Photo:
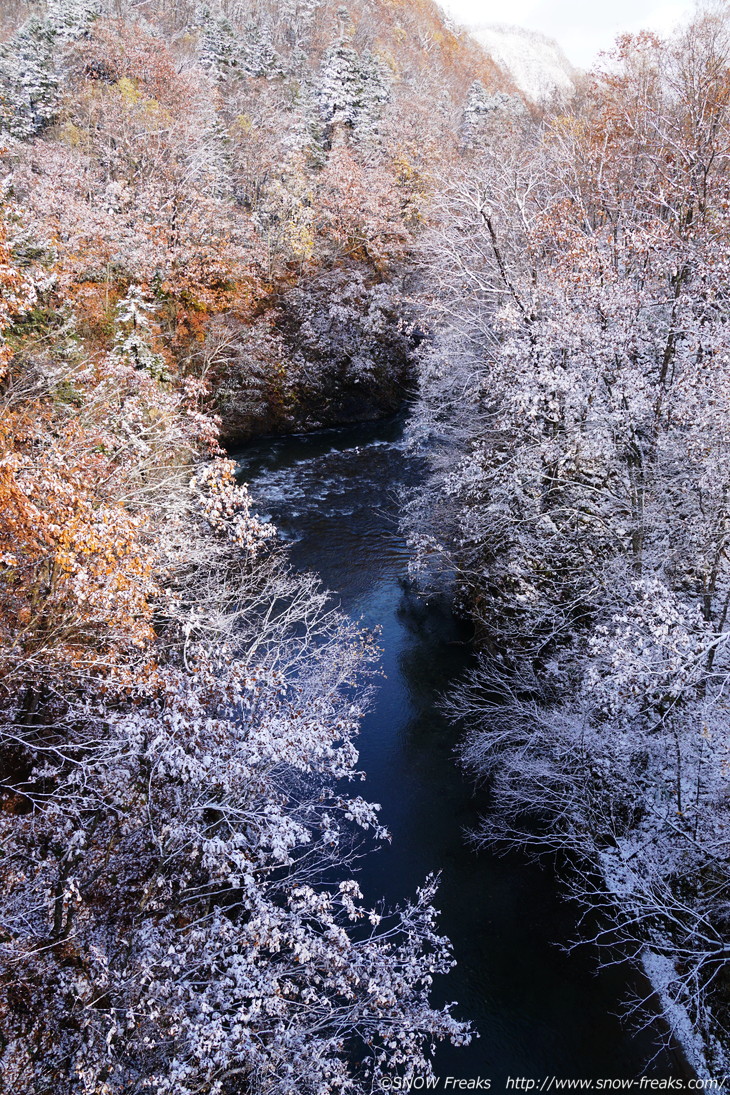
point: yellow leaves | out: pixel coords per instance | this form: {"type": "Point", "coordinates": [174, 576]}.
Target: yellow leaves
{"type": "Point", "coordinates": [141, 105]}
{"type": "Point", "coordinates": [404, 170]}
{"type": "Point", "coordinates": [389, 60]}
{"type": "Point", "coordinates": [570, 125]}
{"type": "Point", "coordinates": [83, 589]}
{"type": "Point", "coordinates": [241, 126]}
{"type": "Point", "coordinates": [66, 561]}
{"type": "Point", "coordinates": [72, 135]}
{"type": "Point", "coordinates": [300, 239]}
{"type": "Point", "coordinates": [128, 90]}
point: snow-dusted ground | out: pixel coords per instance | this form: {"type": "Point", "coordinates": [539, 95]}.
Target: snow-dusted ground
{"type": "Point", "coordinates": [535, 62]}
{"type": "Point", "coordinates": [661, 973]}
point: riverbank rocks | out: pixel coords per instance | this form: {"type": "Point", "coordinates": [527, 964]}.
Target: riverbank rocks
{"type": "Point", "coordinates": [336, 348]}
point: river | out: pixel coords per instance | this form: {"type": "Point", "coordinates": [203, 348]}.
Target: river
{"type": "Point", "coordinates": [539, 1011]}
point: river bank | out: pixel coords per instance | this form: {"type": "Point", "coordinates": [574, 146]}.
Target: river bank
{"type": "Point", "coordinates": [334, 495]}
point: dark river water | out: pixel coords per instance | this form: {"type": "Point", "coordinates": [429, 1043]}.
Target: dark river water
{"type": "Point", "coordinates": [539, 1011]}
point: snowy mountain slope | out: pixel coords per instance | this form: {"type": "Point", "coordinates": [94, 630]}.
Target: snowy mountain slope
{"type": "Point", "coordinates": [535, 62]}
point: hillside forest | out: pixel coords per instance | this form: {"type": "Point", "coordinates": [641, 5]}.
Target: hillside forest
{"type": "Point", "coordinates": [234, 219]}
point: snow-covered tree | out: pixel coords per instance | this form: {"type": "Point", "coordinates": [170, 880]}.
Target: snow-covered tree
{"type": "Point", "coordinates": [575, 407]}
{"type": "Point", "coordinates": [489, 115]}
{"type": "Point", "coordinates": [30, 69]}
{"type": "Point", "coordinates": [352, 89]}
{"type": "Point", "coordinates": [180, 821]}
{"type": "Point", "coordinates": [220, 47]}
{"type": "Point", "coordinates": [179, 906]}
{"type": "Point", "coordinates": [226, 50]}
{"type": "Point", "coordinates": [259, 56]}
{"type": "Point", "coordinates": [28, 79]}
{"type": "Point", "coordinates": [134, 333]}
{"type": "Point", "coordinates": [72, 19]}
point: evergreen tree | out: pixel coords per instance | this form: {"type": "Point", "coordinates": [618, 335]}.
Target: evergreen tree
{"type": "Point", "coordinates": [220, 46]}
{"type": "Point", "coordinates": [483, 112]}
{"type": "Point", "coordinates": [71, 19]}
{"type": "Point", "coordinates": [298, 21]}
{"type": "Point", "coordinates": [259, 56]}
{"type": "Point", "coordinates": [307, 134]}
{"type": "Point", "coordinates": [29, 77]}
{"type": "Point", "coordinates": [352, 90]}
{"type": "Point", "coordinates": [28, 80]}
{"type": "Point", "coordinates": [224, 51]}
{"type": "Point", "coordinates": [375, 84]}
{"type": "Point", "coordinates": [134, 334]}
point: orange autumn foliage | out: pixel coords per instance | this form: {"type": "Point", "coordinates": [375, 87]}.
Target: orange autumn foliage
{"type": "Point", "coordinates": [76, 577]}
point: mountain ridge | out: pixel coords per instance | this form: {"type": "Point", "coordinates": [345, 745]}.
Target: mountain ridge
{"type": "Point", "coordinates": [534, 61]}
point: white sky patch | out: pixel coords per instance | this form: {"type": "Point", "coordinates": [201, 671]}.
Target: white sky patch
{"type": "Point", "coordinates": [582, 27]}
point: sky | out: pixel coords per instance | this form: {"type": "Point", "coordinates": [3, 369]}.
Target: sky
{"type": "Point", "coordinates": [582, 27]}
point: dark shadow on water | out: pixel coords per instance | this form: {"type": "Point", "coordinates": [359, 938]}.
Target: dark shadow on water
{"type": "Point", "coordinates": [539, 1010]}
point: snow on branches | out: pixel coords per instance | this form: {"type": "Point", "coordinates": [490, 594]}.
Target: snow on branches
{"type": "Point", "coordinates": [179, 719]}
{"type": "Point", "coordinates": [226, 507]}
{"type": "Point", "coordinates": [575, 407]}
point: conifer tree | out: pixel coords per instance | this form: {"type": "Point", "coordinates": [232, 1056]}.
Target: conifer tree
{"type": "Point", "coordinates": [71, 19]}
{"type": "Point", "coordinates": [28, 81]}
{"type": "Point", "coordinates": [134, 333]}
{"type": "Point", "coordinates": [485, 112]}
{"type": "Point", "coordinates": [29, 76]}
{"type": "Point", "coordinates": [352, 90]}
{"type": "Point", "coordinates": [219, 49]}
{"type": "Point", "coordinates": [259, 56]}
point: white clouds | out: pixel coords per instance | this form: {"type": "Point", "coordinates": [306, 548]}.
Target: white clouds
{"type": "Point", "coordinates": [582, 29]}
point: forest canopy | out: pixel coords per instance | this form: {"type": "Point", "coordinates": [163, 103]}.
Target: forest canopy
{"type": "Point", "coordinates": [574, 409]}
{"type": "Point", "coordinates": [224, 220]}
{"type": "Point", "coordinates": [207, 217]}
